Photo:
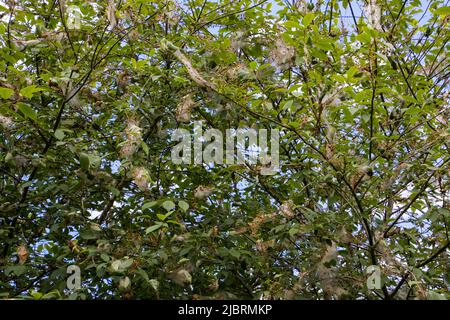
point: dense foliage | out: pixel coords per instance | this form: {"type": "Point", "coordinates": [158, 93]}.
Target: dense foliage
{"type": "Point", "coordinates": [358, 90]}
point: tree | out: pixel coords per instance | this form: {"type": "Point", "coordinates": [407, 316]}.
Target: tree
{"type": "Point", "coordinates": [90, 93]}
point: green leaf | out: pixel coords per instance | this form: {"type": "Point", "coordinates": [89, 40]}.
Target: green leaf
{"type": "Point", "coordinates": [84, 161]}
{"type": "Point", "coordinates": [433, 295]}
{"type": "Point", "coordinates": [28, 92]}
{"type": "Point", "coordinates": [338, 78]}
{"type": "Point", "coordinates": [88, 234]}
{"type": "Point", "coordinates": [153, 228]}
{"type": "Point", "coordinates": [9, 157]}
{"type": "Point", "coordinates": [104, 257]}
{"type": "Point", "coordinates": [168, 205]}
{"type": "Point", "coordinates": [445, 212]}
{"type": "Point", "coordinates": [293, 231]}
{"type": "Point", "coordinates": [163, 217]}
{"type": "Point", "coordinates": [223, 251]}
{"type": "Point", "coordinates": [324, 44]}
{"type": "Point", "coordinates": [234, 253]}
{"type": "Point", "coordinates": [52, 295]}
{"type": "Point", "coordinates": [125, 264]}
{"type": "Point", "coordinates": [353, 110]}
{"type": "Point", "coordinates": [143, 274]}
{"type": "Point", "coordinates": [351, 72]}
{"type": "Point", "coordinates": [364, 37]}
{"type": "Point", "coordinates": [6, 93]}
{"type": "Point", "coordinates": [307, 19]}
{"type": "Point", "coordinates": [36, 295]}
{"type": "Point", "coordinates": [288, 104]}
{"type": "Point", "coordinates": [144, 147]}
{"type": "Point", "coordinates": [253, 65]}
{"type": "Point", "coordinates": [154, 283]}
{"type": "Point", "coordinates": [149, 205]}
{"type": "Point", "coordinates": [17, 270]}
{"type": "Point", "coordinates": [114, 191]}
{"type": "Point", "coordinates": [443, 11]}
{"type": "Point", "coordinates": [27, 111]}
{"type": "Point", "coordinates": [59, 134]}
{"type": "Point", "coordinates": [291, 24]}
{"type": "Point", "coordinates": [115, 265]}
{"type": "Point", "coordinates": [174, 222]}
{"type": "Point", "coordinates": [183, 205]}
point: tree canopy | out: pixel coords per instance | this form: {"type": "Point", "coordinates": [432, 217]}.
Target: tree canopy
{"type": "Point", "coordinates": [91, 91]}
